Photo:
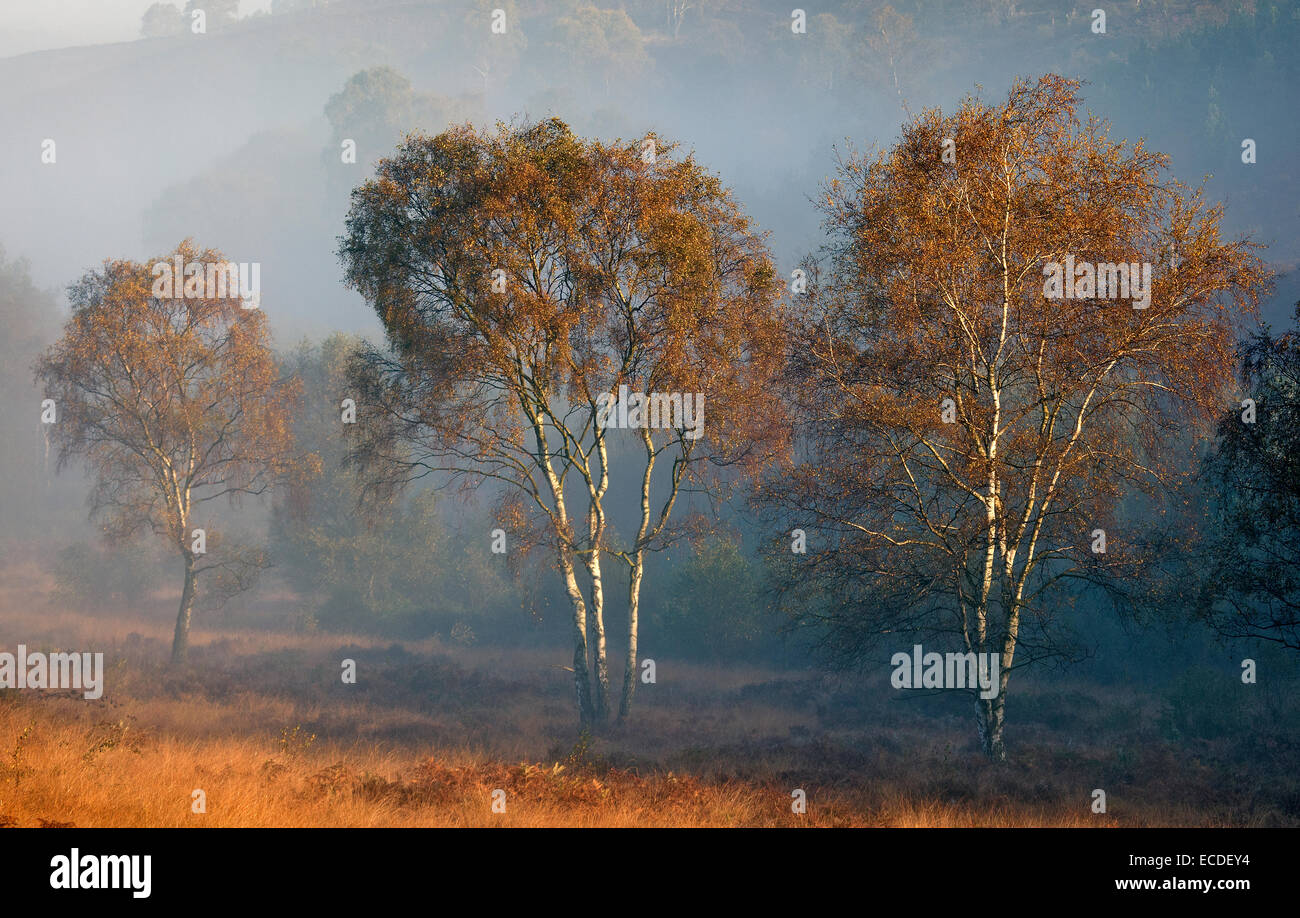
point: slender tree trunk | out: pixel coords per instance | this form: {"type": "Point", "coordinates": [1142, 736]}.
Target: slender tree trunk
{"type": "Point", "coordinates": [581, 661]}
{"type": "Point", "coordinates": [633, 604]}
{"type": "Point", "coordinates": [596, 488]}
{"type": "Point", "coordinates": [598, 639]}
{"type": "Point", "coordinates": [630, 673]}
{"type": "Point", "coordinates": [181, 639]}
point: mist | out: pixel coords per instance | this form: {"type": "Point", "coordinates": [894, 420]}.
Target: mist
{"type": "Point", "coordinates": [128, 131]}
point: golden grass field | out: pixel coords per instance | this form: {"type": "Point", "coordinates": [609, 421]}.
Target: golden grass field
{"type": "Point", "coordinates": [261, 723]}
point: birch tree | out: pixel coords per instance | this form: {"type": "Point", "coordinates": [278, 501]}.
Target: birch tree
{"type": "Point", "coordinates": [173, 402]}
{"type": "Point", "coordinates": [523, 277]}
{"type": "Point", "coordinates": [970, 438]}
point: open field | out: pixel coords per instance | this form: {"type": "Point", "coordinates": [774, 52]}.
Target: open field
{"type": "Point", "coordinates": [262, 723]}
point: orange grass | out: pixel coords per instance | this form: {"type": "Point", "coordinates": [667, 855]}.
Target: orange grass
{"type": "Point", "coordinates": [261, 723]}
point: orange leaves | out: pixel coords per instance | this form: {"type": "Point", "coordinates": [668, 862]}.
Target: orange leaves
{"type": "Point", "coordinates": [964, 429]}
{"type": "Point", "coordinates": [172, 400]}
{"type": "Point", "coordinates": [563, 268]}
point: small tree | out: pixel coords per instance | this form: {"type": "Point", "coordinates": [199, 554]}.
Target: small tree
{"type": "Point", "coordinates": [600, 48]}
{"type": "Point", "coordinates": [1250, 568]}
{"type": "Point", "coordinates": [219, 13]}
{"type": "Point", "coordinates": [357, 572]}
{"type": "Point", "coordinates": [30, 317]}
{"type": "Point", "coordinates": [173, 402]}
{"type": "Point", "coordinates": [162, 20]}
{"type": "Point", "coordinates": [376, 107]}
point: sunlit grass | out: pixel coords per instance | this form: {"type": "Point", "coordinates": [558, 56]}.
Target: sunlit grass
{"type": "Point", "coordinates": [261, 723]}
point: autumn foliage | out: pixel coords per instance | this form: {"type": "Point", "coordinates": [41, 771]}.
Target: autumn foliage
{"type": "Point", "coordinates": [967, 434]}
{"type": "Point", "coordinates": [172, 402]}
{"type": "Point", "coordinates": [524, 276]}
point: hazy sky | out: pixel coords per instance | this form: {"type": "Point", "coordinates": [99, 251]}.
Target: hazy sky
{"type": "Point", "coordinates": [37, 25]}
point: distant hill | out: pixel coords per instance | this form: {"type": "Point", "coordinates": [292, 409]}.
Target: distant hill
{"type": "Point", "coordinates": [222, 136]}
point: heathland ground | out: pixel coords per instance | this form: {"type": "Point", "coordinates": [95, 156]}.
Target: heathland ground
{"type": "Point", "coordinates": [261, 722]}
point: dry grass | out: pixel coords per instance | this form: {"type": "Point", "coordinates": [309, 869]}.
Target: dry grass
{"type": "Point", "coordinates": [262, 724]}
{"type": "Point", "coordinates": [68, 770]}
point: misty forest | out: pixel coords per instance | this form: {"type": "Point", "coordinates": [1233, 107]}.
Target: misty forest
{"type": "Point", "coordinates": [652, 413]}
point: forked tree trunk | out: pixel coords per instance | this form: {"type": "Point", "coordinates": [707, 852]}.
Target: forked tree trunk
{"type": "Point", "coordinates": [565, 559]}
{"type": "Point", "coordinates": [181, 639]}
{"type": "Point", "coordinates": [991, 712]}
